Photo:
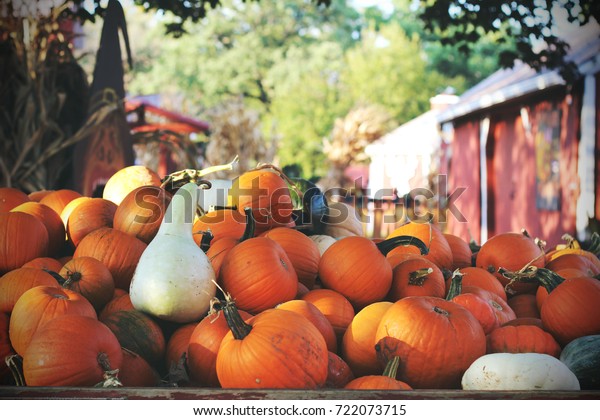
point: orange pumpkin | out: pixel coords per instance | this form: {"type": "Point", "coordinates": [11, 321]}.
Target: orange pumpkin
{"type": "Point", "coordinates": [57, 200]}
{"type": "Point", "coordinates": [336, 308]}
{"type": "Point", "coordinates": [38, 195]}
{"type": "Point", "coordinates": [44, 263]}
{"type": "Point", "coordinates": [416, 276]}
{"type": "Point", "coordinates": [224, 223]}
{"type": "Point", "coordinates": [90, 278]}
{"type": "Point", "coordinates": [88, 216]}
{"type": "Point", "coordinates": [204, 345]}
{"type": "Point", "coordinates": [355, 267]}
{"type": "Point", "coordinates": [476, 276]}
{"type": "Point", "coordinates": [512, 252]}
{"type": "Point", "coordinates": [11, 198]}
{"type": "Point", "coordinates": [358, 342]}
{"type": "Point", "coordinates": [128, 179]}
{"type": "Point", "coordinates": [387, 380]}
{"type": "Point", "coordinates": [436, 340]}
{"type": "Point", "coordinates": [176, 353]}
{"type": "Point", "coordinates": [135, 371]}
{"type": "Point", "coordinates": [267, 194]}
{"type": "Point", "coordinates": [118, 251]}
{"type": "Point", "coordinates": [274, 349]}
{"type": "Point", "coordinates": [23, 237]}
{"type": "Point", "coordinates": [338, 371]}
{"type": "Point", "coordinates": [524, 306]}
{"type": "Point", "coordinates": [69, 208]}
{"type": "Point", "coordinates": [52, 222]}
{"type": "Point", "coordinates": [258, 274]}
{"type": "Point", "coordinates": [303, 252]}
{"type": "Point", "coordinates": [16, 282]}
{"type": "Point", "coordinates": [440, 252]}
{"type": "Point", "coordinates": [116, 304]}
{"type": "Point", "coordinates": [461, 251]}
{"type": "Point", "coordinates": [141, 212]}
{"type": "Point", "coordinates": [314, 315]}
{"type": "Point", "coordinates": [522, 339]}
{"type": "Point", "coordinates": [40, 304]}
{"type": "Point", "coordinates": [72, 350]}
{"type": "Point", "coordinates": [587, 263]}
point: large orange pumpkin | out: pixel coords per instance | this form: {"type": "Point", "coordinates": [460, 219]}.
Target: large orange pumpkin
{"type": "Point", "coordinates": [258, 274]}
{"type": "Point", "coordinates": [118, 251]}
{"type": "Point", "coordinates": [416, 276]}
{"type": "Point", "coordinates": [356, 268]}
{"type": "Point", "coordinates": [23, 237]}
{"type": "Point", "coordinates": [314, 315]}
{"type": "Point", "coordinates": [40, 304]}
{"type": "Point", "coordinates": [274, 349]}
{"type": "Point", "coordinates": [437, 340]}
{"type": "Point", "coordinates": [477, 276]}
{"type": "Point", "coordinates": [72, 350]}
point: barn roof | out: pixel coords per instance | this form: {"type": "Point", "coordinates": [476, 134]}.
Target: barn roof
{"type": "Point", "coordinates": [521, 80]}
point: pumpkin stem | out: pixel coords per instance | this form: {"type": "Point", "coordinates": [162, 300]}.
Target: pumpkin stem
{"type": "Point", "coordinates": [250, 225]}
{"type": "Point", "coordinates": [594, 244]}
{"type": "Point", "coordinates": [404, 240]}
{"type": "Point", "coordinates": [455, 288]}
{"type": "Point", "coordinates": [391, 368]}
{"type": "Point", "coordinates": [234, 320]}
{"type": "Point", "coordinates": [207, 237]}
{"type": "Point", "coordinates": [15, 364]}
{"type": "Point", "coordinates": [548, 279]}
{"type": "Point", "coordinates": [71, 278]}
{"type": "Point", "coordinates": [111, 379]}
{"type": "Point", "coordinates": [176, 179]}
{"type": "Point", "coordinates": [418, 277]}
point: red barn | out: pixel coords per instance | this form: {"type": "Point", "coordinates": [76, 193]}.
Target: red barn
{"type": "Point", "coordinates": [525, 147]}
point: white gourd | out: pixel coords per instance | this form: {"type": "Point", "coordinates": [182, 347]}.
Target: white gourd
{"type": "Point", "coordinates": [174, 279]}
{"type": "Point", "coordinates": [519, 372]}
{"type": "Point", "coordinates": [323, 242]}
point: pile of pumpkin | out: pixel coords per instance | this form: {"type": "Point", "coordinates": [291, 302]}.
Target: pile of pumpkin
{"type": "Point", "coordinates": [280, 289]}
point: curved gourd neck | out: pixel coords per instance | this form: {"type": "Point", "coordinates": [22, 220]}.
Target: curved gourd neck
{"type": "Point", "coordinates": [179, 218]}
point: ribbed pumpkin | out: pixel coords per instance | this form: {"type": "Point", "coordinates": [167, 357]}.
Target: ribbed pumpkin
{"type": "Point", "coordinates": [118, 251]}
{"type": "Point", "coordinates": [88, 216]}
{"type": "Point", "coordinates": [267, 194]}
{"type": "Point", "coordinates": [358, 343]}
{"type": "Point", "coordinates": [571, 309]}
{"type": "Point", "coordinates": [436, 340]}
{"type": "Point", "coordinates": [274, 349]}
{"type": "Point", "coordinates": [72, 350]}
{"type": "Point", "coordinates": [204, 345]}
{"type": "Point", "coordinates": [416, 276]}
{"type": "Point", "coordinates": [139, 333]}
{"type": "Point", "coordinates": [336, 308]}
{"type": "Point", "coordinates": [356, 268]}
{"type": "Point", "coordinates": [141, 212]}
{"type": "Point", "coordinates": [258, 274]}
{"type": "Point", "coordinates": [522, 339]}
{"type": "Point", "coordinates": [57, 200]}
{"type": "Point", "coordinates": [302, 251]}
{"type": "Point", "coordinates": [52, 222]}
{"type": "Point", "coordinates": [23, 237]}
{"type": "Point", "coordinates": [314, 315]}
{"type": "Point", "coordinates": [39, 305]}
{"type": "Point", "coordinates": [16, 282]}
{"type": "Point", "coordinates": [511, 251]}
{"type": "Point", "coordinates": [387, 380]}
{"type": "Point", "coordinates": [11, 198]}
{"type": "Point", "coordinates": [90, 278]}
{"type": "Point", "coordinates": [440, 252]}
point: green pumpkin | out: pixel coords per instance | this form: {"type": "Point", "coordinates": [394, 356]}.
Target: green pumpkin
{"type": "Point", "coordinates": [582, 356]}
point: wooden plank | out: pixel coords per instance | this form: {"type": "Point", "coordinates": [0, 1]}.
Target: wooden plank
{"type": "Point", "coordinates": [244, 394]}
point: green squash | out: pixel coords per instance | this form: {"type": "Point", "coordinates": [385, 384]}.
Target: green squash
{"type": "Point", "coordinates": [582, 356]}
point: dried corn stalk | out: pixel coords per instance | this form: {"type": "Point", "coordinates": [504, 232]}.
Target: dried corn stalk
{"type": "Point", "coordinates": [236, 131]}
{"type": "Point", "coordinates": [350, 136]}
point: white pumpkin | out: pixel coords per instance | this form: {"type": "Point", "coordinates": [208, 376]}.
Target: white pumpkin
{"type": "Point", "coordinates": [174, 280]}
{"type": "Point", "coordinates": [519, 372]}
{"type": "Point", "coordinates": [323, 242]}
